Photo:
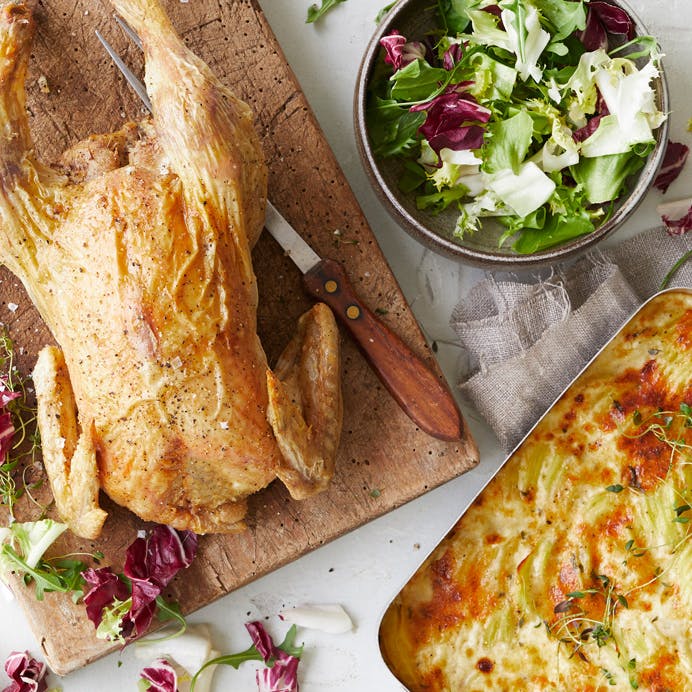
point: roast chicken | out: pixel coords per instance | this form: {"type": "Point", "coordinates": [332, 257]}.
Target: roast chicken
{"type": "Point", "coordinates": [136, 250]}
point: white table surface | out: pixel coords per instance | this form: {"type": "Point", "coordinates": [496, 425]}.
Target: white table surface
{"type": "Point", "coordinates": [364, 569]}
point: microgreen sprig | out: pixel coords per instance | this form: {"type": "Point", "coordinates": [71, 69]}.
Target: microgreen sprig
{"type": "Point", "coordinates": [23, 415]}
{"type": "Point", "coordinates": [667, 426]}
{"type": "Point", "coordinates": [576, 628]}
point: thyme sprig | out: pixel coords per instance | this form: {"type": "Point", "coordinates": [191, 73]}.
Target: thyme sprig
{"type": "Point", "coordinates": [576, 628]}
{"type": "Point", "coordinates": [667, 426]}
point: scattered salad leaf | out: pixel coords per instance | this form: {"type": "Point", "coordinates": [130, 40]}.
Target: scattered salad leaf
{"type": "Point", "coordinates": [22, 550]}
{"type": "Point", "coordinates": [316, 12]}
{"type": "Point", "coordinates": [33, 538]}
{"type": "Point", "coordinates": [190, 650]}
{"type": "Point", "coordinates": [159, 677]}
{"type": "Point", "coordinates": [673, 162]}
{"type": "Point", "coordinates": [330, 618]}
{"type": "Point", "coordinates": [383, 12]}
{"type": "Point", "coordinates": [27, 674]}
{"type": "Point", "coordinates": [123, 606]}
{"type": "Point", "coordinates": [676, 216]}
{"type": "Point", "coordinates": [284, 658]}
{"type": "Point", "coordinates": [553, 130]}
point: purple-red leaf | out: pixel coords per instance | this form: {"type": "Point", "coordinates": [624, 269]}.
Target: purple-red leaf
{"type": "Point", "coordinates": [454, 121]}
{"type": "Point", "coordinates": [281, 677]}
{"type": "Point", "coordinates": [678, 226]}
{"type": "Point", "coordinates": [105, 588]}
{"type": "Point", "coordinates": [673, 163]}
{"type": "Point", "coordinates": [161, 677]}
{"type": "Point", "coordinates": [399, 52]}
{"type": "Point", "coordinates": [26, 673]}
{"type": "Point", "coordinates": [6, 434]}
{"type": "Point", "coordinates": [602, 19]}
{"type": "Point", "coordinates": [158, 557]}
{"type": "Point", "coordinates": [592, 125]}
{"type": "Point", "coordinates": [262, 640]}
{"type": "Point", "coordinates": [6, 394]}
{"type": "Point", "coordinates": [452, 56]}
{"type": "Point", "coordinates": [150, 564]}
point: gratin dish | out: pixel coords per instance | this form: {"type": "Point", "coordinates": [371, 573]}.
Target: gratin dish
{"type": "Point", "coordinates": [571, 568]}
{"type": "Point", "coordinates": [415, 19]}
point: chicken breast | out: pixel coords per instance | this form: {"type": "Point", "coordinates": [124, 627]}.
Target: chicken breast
{"type": "Point", "coordinates": [135, 249]}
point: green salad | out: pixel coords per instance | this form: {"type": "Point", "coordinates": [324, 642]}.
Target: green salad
{"type": "Point", "coordinates": [532, 112]}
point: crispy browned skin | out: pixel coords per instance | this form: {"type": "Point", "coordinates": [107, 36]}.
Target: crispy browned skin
{"type": "Point", "coordinates": [136, 251]}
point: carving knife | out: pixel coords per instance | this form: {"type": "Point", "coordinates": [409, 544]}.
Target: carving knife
{"type": "Point", "coordinates": [420, 393]}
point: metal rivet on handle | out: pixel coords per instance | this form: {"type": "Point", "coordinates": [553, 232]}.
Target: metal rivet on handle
{"type": "Point", "coordinates": [353, 312]}
{"type": "Point", "coordinates": [331, 286]}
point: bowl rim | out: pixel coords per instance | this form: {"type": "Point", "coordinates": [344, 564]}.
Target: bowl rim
{"type": "Point", "coordinates": [473, 255]}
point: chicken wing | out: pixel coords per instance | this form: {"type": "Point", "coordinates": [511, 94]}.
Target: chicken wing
{"type": "Point", "coordinates": [135, 248]}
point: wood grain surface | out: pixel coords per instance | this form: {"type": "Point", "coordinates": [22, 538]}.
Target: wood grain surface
{"type": "Point", "coordinates": [73, 91]}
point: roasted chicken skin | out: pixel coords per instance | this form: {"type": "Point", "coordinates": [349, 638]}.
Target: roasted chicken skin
{"type": "Point", "coordinates": [135, 249]}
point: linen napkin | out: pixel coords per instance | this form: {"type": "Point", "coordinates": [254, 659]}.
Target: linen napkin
{"type": "Point", "coordinates": [526, 338]}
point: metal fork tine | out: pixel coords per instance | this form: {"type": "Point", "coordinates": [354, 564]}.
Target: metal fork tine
{"type": "Point", "coordinates": [132, 80]}
{"type": "Point", "coordinates": [129, 31]}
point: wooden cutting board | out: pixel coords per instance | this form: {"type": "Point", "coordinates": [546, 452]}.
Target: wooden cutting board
{"type": "Point", "coordinates": [384, 460]}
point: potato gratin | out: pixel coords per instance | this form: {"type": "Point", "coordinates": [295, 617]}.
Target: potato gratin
{"type": "Point", "coordinates": [572, 570]}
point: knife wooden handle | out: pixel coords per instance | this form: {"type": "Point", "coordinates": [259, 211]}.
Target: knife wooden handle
{"type": "Point", "coordinates": [419, 392]}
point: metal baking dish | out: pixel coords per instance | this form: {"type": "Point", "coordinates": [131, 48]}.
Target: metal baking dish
{"type": "Point", "coordinates": [661, 298]}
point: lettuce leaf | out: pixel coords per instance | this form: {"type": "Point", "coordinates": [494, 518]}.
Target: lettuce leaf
{"type": "Point", "coordinates": [508, 143]}
{"type": "Point", "coordinates": [557, 230]}
{"type": "Point", "coordinates": [603, 177]}
{"type": "Point", "coordinates": [35, 537]}
{"type": "Point", "coordinates": [524, 191]}
{"type": "Point", "coordinates": [455, 14]}
{"type": "Point", "coordinates": [526, 37]}
{"type": "Point", "coordinates": [564, 16]}
{"type": "Point", "coordinates": [417, 81]}
{"type": "Point", "coordinates": [392, 128]}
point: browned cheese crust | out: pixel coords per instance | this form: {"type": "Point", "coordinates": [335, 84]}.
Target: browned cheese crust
{"type": "Point", "coordinates": [572, 570]}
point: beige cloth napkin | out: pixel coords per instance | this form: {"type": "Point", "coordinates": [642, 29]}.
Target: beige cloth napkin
{"type": "Point", "coordinates": [527, 338]}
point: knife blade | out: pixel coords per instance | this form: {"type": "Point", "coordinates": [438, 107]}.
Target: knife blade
{"type": "Point", "coordinates": [422, 395]}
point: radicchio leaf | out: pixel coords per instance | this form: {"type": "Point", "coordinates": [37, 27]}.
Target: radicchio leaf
{"type": "Point", "coordinates": [591, 126]}
{"type": "Point", "coordinates": [161, 676]}
{"type": "Point", "coordinates": [603, 19]}
{"type": "Point", "coordinates": [281, 673]}
{"type": "Point", "coordinates": [7, 428]}
{"type": "Point", "coordinates": [158, 557]}
{"type": "Point", "coordinates": [27, 674]}
{"type": "Point", "coordinates": [678, 226]}
{"type": "Point", "coordinates": [6, 434]}
{"type": "Point", "coordinates": [262, 640]}
{"type": "Point", "coordinates": [399, 52]}
{"type": "Point", "coordinates": [677, 216]}
{"type": "Point", "coordinates": [281, 677]}
{"type": "Point", "coordinates": [453, 120]}
{"type": "Point", "coordinates": [452, 56]}
{"type": "Point", "coordinates": [6, 394]}
{"type": "Point", "coordinates": [673, 163]}
{"type": "Point", "coordinates": [150, 564]}
{"type": "Point", "coordinates": [105, 587]}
